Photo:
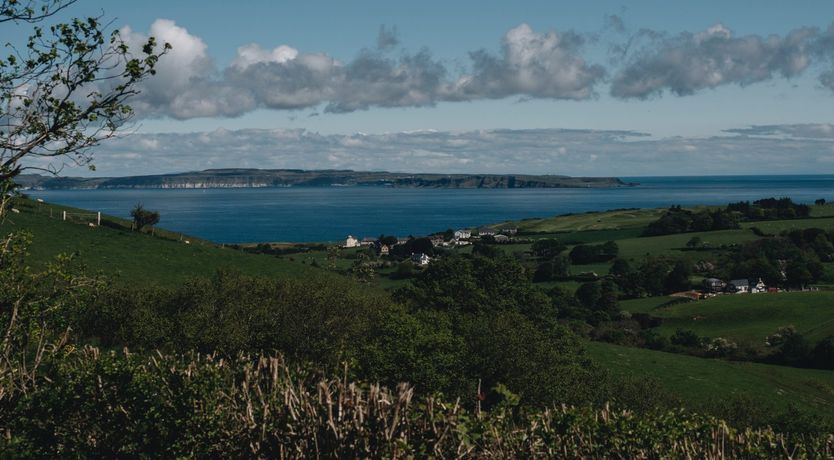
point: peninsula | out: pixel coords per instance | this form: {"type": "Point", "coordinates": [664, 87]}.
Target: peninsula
{"type": "Point", "coordinates": [251, 178]}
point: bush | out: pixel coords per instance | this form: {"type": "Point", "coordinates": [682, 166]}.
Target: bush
{"type": "Point", "coordinates": [113, 405]}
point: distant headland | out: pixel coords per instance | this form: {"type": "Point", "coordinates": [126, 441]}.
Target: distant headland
{"type": "Point", "coordinates": [254, 178]}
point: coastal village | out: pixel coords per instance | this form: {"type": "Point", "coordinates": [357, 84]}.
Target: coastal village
{"type": "Point", "coordinates": [387, 246]}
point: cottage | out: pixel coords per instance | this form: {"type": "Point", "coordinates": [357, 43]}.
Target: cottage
{"type": "Point", "coordinates": [383, 249]}
{"type": "Point", "coordinates": [463, 234]}
{"type": "Point", "coordinates": [714, 285]}
{"type": "Point", "coordinates": [739, 286]}
{"type": "Point", "coordinates": [484, 231]}
{"type": "Point", "coordinates": [502, 239]}
{"type": "Point", "coordinates": [367, 241]}
{"type": "Point", "coordinates": [758, 287]}
{"type": "Point", "coordinates": [509, 230]}
{"type": "Point", "coordinates": [351, 242]}
{"type": "Point", "coordinates": [420, 259]}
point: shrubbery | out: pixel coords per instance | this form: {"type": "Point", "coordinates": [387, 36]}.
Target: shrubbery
{"type": "Point", "coordinates": [109, 404]}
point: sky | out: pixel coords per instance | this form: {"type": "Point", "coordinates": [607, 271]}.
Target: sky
{"type": "Point", "coordinates": [539, 87]}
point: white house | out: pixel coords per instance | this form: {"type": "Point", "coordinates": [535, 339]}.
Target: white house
{"type": "Point", "coordinates": [739, 286]}
{"type": "Point", "coordinates": [351, 242]}
{"type": "Point", "coordinates": [420, 259]}
{"type": "Point", "coordinates": [502, 239]}
{"type": "Point", "coordinates": [758, 287]}
{"type": "Point", "coordinates": [463, 234]}
{"type": "Point", "coordinates": [483, 231]}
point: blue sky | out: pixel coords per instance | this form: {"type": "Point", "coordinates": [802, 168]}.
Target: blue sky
{"type": "Point", "coordinates": [657, 85]}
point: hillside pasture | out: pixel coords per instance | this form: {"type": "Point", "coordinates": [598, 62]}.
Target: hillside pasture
{"type": "Point", "coordinates": [708, 382]}
{"type": "Point", "coordinates": [136, 258]}
{"type": "Point", "coordinates": [751, 318]}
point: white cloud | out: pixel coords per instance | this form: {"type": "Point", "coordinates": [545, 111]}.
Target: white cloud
{"type": "Point", "coordinates": [541, 151]}
{"type": "Point", "coordinates": [689, 62]}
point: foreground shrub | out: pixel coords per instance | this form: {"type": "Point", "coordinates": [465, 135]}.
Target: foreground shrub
{"type": "Point", "coordinates": [124, 405]}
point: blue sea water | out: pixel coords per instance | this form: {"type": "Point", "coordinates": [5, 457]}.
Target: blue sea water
{"type": "Point", "coordinates": [330, 213]}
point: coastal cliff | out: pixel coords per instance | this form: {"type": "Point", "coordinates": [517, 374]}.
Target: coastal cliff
{"type": "Point", "coordinates": [254, 178]}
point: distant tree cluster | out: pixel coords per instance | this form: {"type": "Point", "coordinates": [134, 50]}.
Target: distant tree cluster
{"type": "Point", "coordinates": [589, 254]}
{"type": "Point", "coordinates": [770, 209]}
{"type": "Point", "coordinates": [679, 220]}
{"type": "Point", "coordinates": [793, 259]}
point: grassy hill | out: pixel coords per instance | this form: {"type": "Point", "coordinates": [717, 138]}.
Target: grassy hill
{"type": "Point", "coordinates": [133, 257]}
{"type": "Point", "coordinates": [710, 381]}
{"type": "Point", "coordinates": [746, 317]}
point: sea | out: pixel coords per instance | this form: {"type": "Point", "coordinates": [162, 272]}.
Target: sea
{"type": "Point", "coordinates": [308, 214]}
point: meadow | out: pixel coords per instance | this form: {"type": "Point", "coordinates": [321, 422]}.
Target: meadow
{"type": "Point", "coordinates": [136, 258]}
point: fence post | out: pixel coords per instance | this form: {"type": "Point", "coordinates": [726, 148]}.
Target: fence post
{"type": "Point", "coordinates": [64, 215]}
{"type": "Point", "coordinates": [98, 219]}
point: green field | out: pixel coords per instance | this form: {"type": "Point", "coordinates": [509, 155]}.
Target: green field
{"type": "Point", "coordinates": [607, 220]}
{"type": "Point", "coordinates": [710, 381]}
{"type": "Point", "coordinates": [137, 258]}
{"type": "Point", "coordinates": [751, 317]}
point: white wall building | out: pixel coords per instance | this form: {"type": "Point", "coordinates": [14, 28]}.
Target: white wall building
{"type": "Point", "coordinates": [351, 242]}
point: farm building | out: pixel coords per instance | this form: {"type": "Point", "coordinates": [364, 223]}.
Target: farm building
{"type": "Point", "coordinates": [351, 242]}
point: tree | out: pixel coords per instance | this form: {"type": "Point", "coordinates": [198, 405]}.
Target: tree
{"type": "Point", "coordinates": [64, 90]}
{"type": "Point", "coordinates": [547, 247]}
{"type": "Point", "coordinates": [678, 279]}
{"type": "Point", "coordinates": [143, 218]}
{"type": "Point", "coordinates": [819, 201]}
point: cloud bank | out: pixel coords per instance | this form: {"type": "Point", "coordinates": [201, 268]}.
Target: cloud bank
{"type": "Point", "coordinates": [753, 150]}
{"type": "Point", "coordinates": [529, 65]}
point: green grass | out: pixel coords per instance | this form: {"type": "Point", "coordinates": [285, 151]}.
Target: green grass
{"type": "Point", "coordinates": [710, 381]}
{"type": "Point", "coordinates": [752, 317]}
{"type": "Point", "coordinates": [644, 305]}
{"type": "Point", "coordinates": [607, 220]}
{"type": "Point", "coordinates": [137, 258]}
{"type": "Point", "coordinates": [776, 226]}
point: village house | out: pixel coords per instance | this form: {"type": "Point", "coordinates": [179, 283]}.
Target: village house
{"type": "Point", "coordinates": [351, 242]}
{"type": "Point", "coordinates": [739, 286]}
{"type": "Point", "coordinates": [486, 231]}
{"type": "Point", "coordinates": [436, 240]}
{"type": "Point", "coordinates": [758, 287]}
{"type": "Point", "coordinates": [383, 249]}
{"type": "Point", "coordinates": [509, 230]}
{"type": "Point", "coordinates": [368, 241]}
{"type": "Point", "coordinates": [714, 285]}
{"type": "Point", "coordinates": [502, 239]}
{"type": "Point", "coordinates": [463, 234]}
{"type": "Point", "coordinates": [420, 259]}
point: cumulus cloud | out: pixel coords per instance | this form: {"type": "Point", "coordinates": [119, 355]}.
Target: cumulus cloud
{"type": "Point", "coordinates": [689, 62]}
{"type": "Point", "coordinates": [188, 85]}
{"type": "Point", "coordinates": [536, 151]}
{"type": "Point", "coordinates": [545, 65]}
{"type": "Point", "coordinates": [529, 65]}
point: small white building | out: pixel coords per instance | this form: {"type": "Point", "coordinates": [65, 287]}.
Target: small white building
{"type": "Point", "coordinates": [463, 234]}
{"type": "Point", "coordinates": [502, 239]}
{"type": "Point", "coordinates": [420, 259]}
{"type": "Point", "coordinates": [351, 242]}
{"type": "Point", "coordinates": [484, 231]}
{"type": "Point", "coordinates": [758, 287]}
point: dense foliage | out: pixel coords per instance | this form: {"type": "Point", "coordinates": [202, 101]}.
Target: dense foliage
{"type": "Point", "coordinates": [106, 405]}
{"type": "Point", "coordinates": [679, 220]}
